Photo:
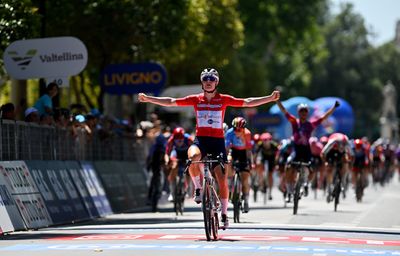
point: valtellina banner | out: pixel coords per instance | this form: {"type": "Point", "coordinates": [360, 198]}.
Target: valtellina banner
{"type": "Point", "coordinates": [45, 57]}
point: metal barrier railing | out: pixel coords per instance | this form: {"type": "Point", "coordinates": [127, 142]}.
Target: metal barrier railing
{"type": "Point", "coordinates": [28, 141]}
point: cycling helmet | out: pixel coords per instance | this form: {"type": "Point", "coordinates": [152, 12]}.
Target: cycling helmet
{"type": "Point", "coordinates": [313, 140]}
{"type": "Point", "coordinates": [209, 73]}
{"type": "Point", "coordinates": [302, 106]}
{"type": "Point", "coordinates": [358, 143]}
{"type": "Point", "coordinates": [323, 140]}
{"type": "Point", "coordinates": [266, 136]}
{"type": "Point", "coordinates": [178, 133]}
{"type": "Point", "coordinates": [239, 122]}
{"type": "Point", "coordinates": [256, 137]}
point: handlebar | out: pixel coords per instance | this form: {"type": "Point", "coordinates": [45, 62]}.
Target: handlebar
{"type": "Point", "coordinates": [208, 160]}
{"type": "Point", "coordinates": [306, 164]}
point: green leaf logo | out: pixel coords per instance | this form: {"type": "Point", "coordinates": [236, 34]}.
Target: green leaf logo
{"type": "Point", "coordinates": [23, 61]}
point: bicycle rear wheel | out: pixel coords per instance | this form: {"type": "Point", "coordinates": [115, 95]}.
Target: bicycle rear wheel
{"type": "Point", "coordinates": [236, 198]}
{"type": "Point", "coordinates": [336, 194]}
{"type": "Point", "coordinates": [296, 197]}
{"type": "Point", "coordinates": [206, 207]}
{"type": "Point", "coordinates": [179, 196]}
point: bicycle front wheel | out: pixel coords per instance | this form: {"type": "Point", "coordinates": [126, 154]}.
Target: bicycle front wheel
{"type": "Point", "coordinates": [206, 206]}
{"type": "Point", "coordinates": [337, 194]}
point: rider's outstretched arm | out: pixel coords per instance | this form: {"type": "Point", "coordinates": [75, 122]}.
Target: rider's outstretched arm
{"type": "Point", "coordinates": [162, 101]}
{"type": "Point", "coordinates": [257, 101]}
{"type": "Point", "coordinates": [330, 111]}
{"type": "Point", "coordinates": [281, 107]}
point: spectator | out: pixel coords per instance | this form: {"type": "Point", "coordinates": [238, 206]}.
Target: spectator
{"type": "Point", "coordinates": [61, 117]}
{"type": "Point", "coordinates": [44, 104]}
{"type": "Point", "coordinates": [32, 115]}
{"type": "Point", "coordinates": [46, 119]}
{"type": "Point", "coordinates": [8, 111]}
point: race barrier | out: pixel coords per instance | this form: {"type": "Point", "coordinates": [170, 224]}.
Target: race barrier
{"type": "Point", "coordinates": [125, 184]}
{"type": "Point", "coordinates": [56, 186]}
{"type": "Point", "coordinates": [7, 209]}
{"type": "Point", "coordinates": [95, 188]}
{"type": "Point", "coordinates": [32, 212]}
{"type": "Point", "coordinates": [36, 194]}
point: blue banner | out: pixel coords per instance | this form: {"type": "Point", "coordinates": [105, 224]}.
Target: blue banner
{"type": "Point", "coordinates": [75, 171]}
{"type": "Point", "coordinates": [133, 78]}
{"type": "Point", "coordinates": [95, 188]}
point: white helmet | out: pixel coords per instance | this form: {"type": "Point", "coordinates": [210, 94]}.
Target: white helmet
{"type": "Point", "coordinates": [211, 73]}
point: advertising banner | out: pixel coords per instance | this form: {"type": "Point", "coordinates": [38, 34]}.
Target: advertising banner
{"type": "Point", "coordinates": [66, 181]}
{"type": "Point", "coordinates": [75, 171]}
{"type": "Point", "coordinates": [6, 200]}
{"type": "Point", "coordinates": [54, 199]}
{"type": "Point", "coordinates": [133, 78]}
{"type": "Point", "coordinates": [22, 187]}
{"type": "Point", "coordinates": [11, 210]}
{"type": "Point", "coordinates": [125, 184]}
{"type": "Point", "coordinates": [45, 58]}
{"type": "Point", "coordinates": [33, 210]}
{"type": "Point", "coordinates": [95, 188]}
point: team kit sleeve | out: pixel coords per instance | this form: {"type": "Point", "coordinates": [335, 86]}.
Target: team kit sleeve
{"type": "Point", "coordinates": [232, 101]}
{"type": "Point", "coordinates": [316, 122]}
{"type": "Point", "coordinates": [189, 100]}
{"type": "Point", "coordinates": [228, 138]}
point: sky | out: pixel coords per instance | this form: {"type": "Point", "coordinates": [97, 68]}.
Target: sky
{"type": "Point", "coordinates": [380, 17]}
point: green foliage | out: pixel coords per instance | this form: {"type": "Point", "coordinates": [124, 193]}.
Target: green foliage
{"type": "Point", "coordinates": [18, 20]}
{"type": "Point", "coordinates": [349, 70]}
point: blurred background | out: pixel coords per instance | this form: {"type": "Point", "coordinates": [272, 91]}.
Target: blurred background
{"type": "Point", "coordinates": [314, 49]}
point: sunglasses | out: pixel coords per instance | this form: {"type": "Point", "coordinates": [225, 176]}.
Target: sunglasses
{"type": "Point", "coordinates": [209, 78]}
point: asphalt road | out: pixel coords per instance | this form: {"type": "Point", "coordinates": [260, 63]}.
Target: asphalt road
{"type": "Point", "coordinates": [368, 228]}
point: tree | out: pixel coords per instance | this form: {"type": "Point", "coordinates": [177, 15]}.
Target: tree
{"type": "Point", "coordinates": [18, 20]}
{"type": "Point", "coordinates": [280, 37]}
{"type": "Point", "coordinates": [349, 70]}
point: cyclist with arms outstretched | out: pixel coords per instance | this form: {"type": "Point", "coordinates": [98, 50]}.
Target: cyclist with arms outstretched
{"type": "Point", "coordinates": [209, 109]}
{"type": "Point", "coordinates": [302, 129]}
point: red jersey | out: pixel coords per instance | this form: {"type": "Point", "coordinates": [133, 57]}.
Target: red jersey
{"type": "Point", "coordinates": [210, 114]}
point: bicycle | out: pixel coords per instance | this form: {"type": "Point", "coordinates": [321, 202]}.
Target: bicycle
{"type": "Point", "coordinates": [337, 182]}
{"type": "Point", "coordinates": [236, 195]}
{"type": "Point", "coordinates": [263, 186]}
{"type": "Point", "coordinates": [299, 185]}
{"type": "Point", "coordinates": [361, 184]}
{"type": "Point", "coordinates": [179, 192]}
{"type": "Point", "coordinates": [211, 205]}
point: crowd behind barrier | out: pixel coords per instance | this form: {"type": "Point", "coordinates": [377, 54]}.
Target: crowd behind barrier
{"type": "Point", "coordinates": [29, 141]}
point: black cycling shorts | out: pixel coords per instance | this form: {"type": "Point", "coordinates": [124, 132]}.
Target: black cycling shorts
{"type": "Point", "coordinates": [303, 153]}
{"type": "Point", "coordinates": [211, 145]}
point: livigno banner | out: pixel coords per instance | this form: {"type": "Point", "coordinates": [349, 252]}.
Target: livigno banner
{"type": "Point", "coordinates": [134, 78]}
{"type": "Point", "coordinates": [45, 58]}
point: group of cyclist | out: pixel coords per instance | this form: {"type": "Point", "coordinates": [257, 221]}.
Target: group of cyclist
{"type": "Point", "coordinates": [259, 155]}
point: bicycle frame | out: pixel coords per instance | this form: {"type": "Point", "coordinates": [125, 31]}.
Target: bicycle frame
{"type": "Point", "coordinates": [211, 205]}
{"type": "Point", "coordinates": [337, 182]}
{"type": "Point", "coordinates": [300, 168]}
{"type": "Point", "coordinates": [179, 193]}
